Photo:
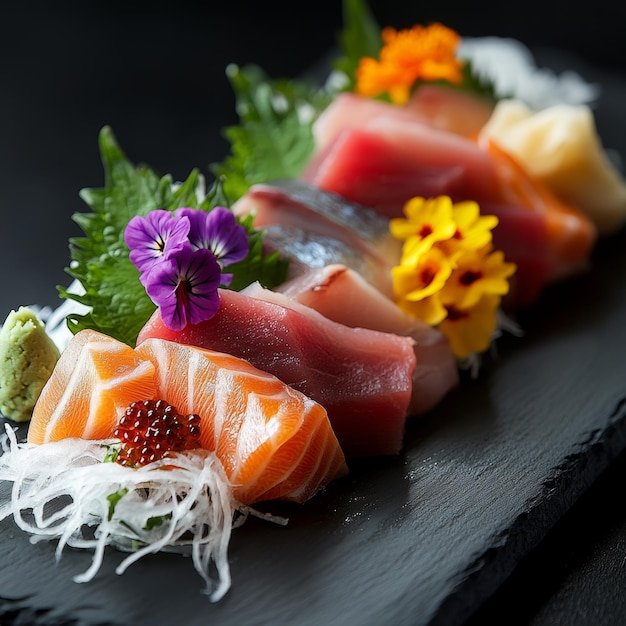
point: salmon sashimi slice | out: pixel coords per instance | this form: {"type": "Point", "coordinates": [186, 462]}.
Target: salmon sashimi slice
{"type": "Point", "coordinates": [571, 235]}
{"type": "Point", "coordinates": [93, 382]}
{"type": "Point", "coordinates": [273, 441]}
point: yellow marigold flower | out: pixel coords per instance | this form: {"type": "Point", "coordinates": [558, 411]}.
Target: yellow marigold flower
{"type": "Point", "coordinates": [421, 276]}
{"type": "Point", "coordinates": [470, 331]}
{"type": "Point", "coordinates": [473, 229]}
{"type": "Point", "coordinates": [429, 310]}
{"type": "Point", "coordinates": [419, 53]}
{"type": "Point", "coordinates": [427, 221]}
{"type": "Point", "coordinates": [477, 273]}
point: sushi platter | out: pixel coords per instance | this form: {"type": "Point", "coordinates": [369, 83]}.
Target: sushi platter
{"type": "Point", "coordinates": [422, 537]}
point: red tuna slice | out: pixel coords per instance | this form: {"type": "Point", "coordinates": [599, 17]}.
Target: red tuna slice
{"type": "Point", "coordinates": [363, 378]}
{"type": "Point", "coordinates": [384, 164]}
{"type": "Point", "coordinates": [342, 295]}
{"type": "Point", "coordinates": [315, 228]}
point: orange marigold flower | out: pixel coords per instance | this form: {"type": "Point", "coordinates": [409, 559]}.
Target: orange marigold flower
{"type": "Point", "coordinates": [419, 53]}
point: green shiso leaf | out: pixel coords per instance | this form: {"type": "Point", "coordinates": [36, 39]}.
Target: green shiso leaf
{"type": "Point", "coordinates": [119, 305]}
{"type": "Point", "coordinates": [274, 137]}
{"type": "Point", "coordinates": [360, 37]}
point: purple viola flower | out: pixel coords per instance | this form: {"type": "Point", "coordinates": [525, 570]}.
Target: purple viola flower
{"type": "Point", "coordinates": [219, 232]}
{"type": "Point", "coordinates": [154, 237]}
{"type": "Point", "coordinates": [184, 287]}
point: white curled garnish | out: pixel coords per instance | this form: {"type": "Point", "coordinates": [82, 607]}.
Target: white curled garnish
{"type": "Point", "coordinates": [182, 503]}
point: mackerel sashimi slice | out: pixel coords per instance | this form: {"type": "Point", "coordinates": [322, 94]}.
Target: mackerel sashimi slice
{"type": "Point", "coordinates": [315, 228]}
{"type": "Point", "coordinates": [362, 377]}
{"type": "Point", "coordinates": [273, 442]}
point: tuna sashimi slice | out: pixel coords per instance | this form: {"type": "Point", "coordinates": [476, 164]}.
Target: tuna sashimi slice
{"type": "Point", "coordinates": [342, 295]}
{"type": "Point", "coordinates": [362, 377]}
{"type": "Point", "coordinates": [388, 161]}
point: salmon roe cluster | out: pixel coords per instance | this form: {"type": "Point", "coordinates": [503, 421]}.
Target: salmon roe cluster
{"type": "Point", "coordinates": [149, 429]}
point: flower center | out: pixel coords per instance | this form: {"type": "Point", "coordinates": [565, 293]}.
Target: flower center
{"type": "Point", "coordinates": [427, 275]}
{"type": "Point", "coordinates": [425, 230]}
{"type": "Point", "coordinates": [469, 277]}
{"type": "Point", "coordinates": [455, 314]}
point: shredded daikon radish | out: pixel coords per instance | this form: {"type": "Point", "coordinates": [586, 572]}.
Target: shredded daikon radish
{"type": "Point", "coordinates": [64, 490]}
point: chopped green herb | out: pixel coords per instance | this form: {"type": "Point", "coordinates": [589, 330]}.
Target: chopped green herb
{"type": "Point", "coordinates": [155, 522]}
{"type": "Point", "coordinates": [113, 499]}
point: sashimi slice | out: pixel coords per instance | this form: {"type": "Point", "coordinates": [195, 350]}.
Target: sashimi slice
{"type": "Point", "coordinates": [570, 234]}
{"type": "Point", "coordinates": [524, 237]}
{"type": "Point", "coordinates": [349, 110]}
{"type": "Point", "coordinates": [342, 295]}
{"type": "Point", "coordinates": [363, 378]}
{"type": "Point", "coordinates": [437, 106]}
{"type": "Point", "coordinates": [387, 162]}
{"type": "Point", "coordinates": [297, 203]}
{"type": "Point", "coordinates": [316, 228]}
{"type": "Point", "coordinates": [451, 109]}
{"type": "Point", "coordinates": [274, 442]}
{"type": "Point", "coordinates": [93, 382]}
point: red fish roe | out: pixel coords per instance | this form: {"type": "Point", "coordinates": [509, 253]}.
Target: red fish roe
{"type": "Point", "coordinates": [149, 429]}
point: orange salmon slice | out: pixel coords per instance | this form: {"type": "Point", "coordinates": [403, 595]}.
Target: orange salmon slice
{"type": "Point", "coordinates": [273, 441]}
{"type": "Point", "coordinates": [93, 382]}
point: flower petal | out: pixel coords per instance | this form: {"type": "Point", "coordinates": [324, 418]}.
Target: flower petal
{"type": "Point", "coordinates": [184, 287]}
{"type": "Point", "coordinates": [154, 237]}
{"type": "Point", "coordinates": [218, 231]}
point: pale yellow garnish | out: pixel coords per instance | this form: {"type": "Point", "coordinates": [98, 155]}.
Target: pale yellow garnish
{"type": "Point", "coordinates": [560, 147]}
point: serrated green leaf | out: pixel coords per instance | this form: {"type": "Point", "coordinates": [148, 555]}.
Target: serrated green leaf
{"type": "Point", "coordinates": [360, 37]}
{"type": "Point", "coordinates": [118, 303]}
{"type": "Point", "coordinates": [274, 138]}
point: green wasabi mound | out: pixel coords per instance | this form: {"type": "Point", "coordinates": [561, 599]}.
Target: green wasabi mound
{"type": "Point", "coordinates": [27, 358]}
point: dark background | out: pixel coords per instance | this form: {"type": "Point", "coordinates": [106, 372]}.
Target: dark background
{"type": "Point", "coordinates": [155, 73]}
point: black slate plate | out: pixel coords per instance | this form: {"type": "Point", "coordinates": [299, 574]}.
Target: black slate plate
{"type": "Point", "coordinates": [420, 539]}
